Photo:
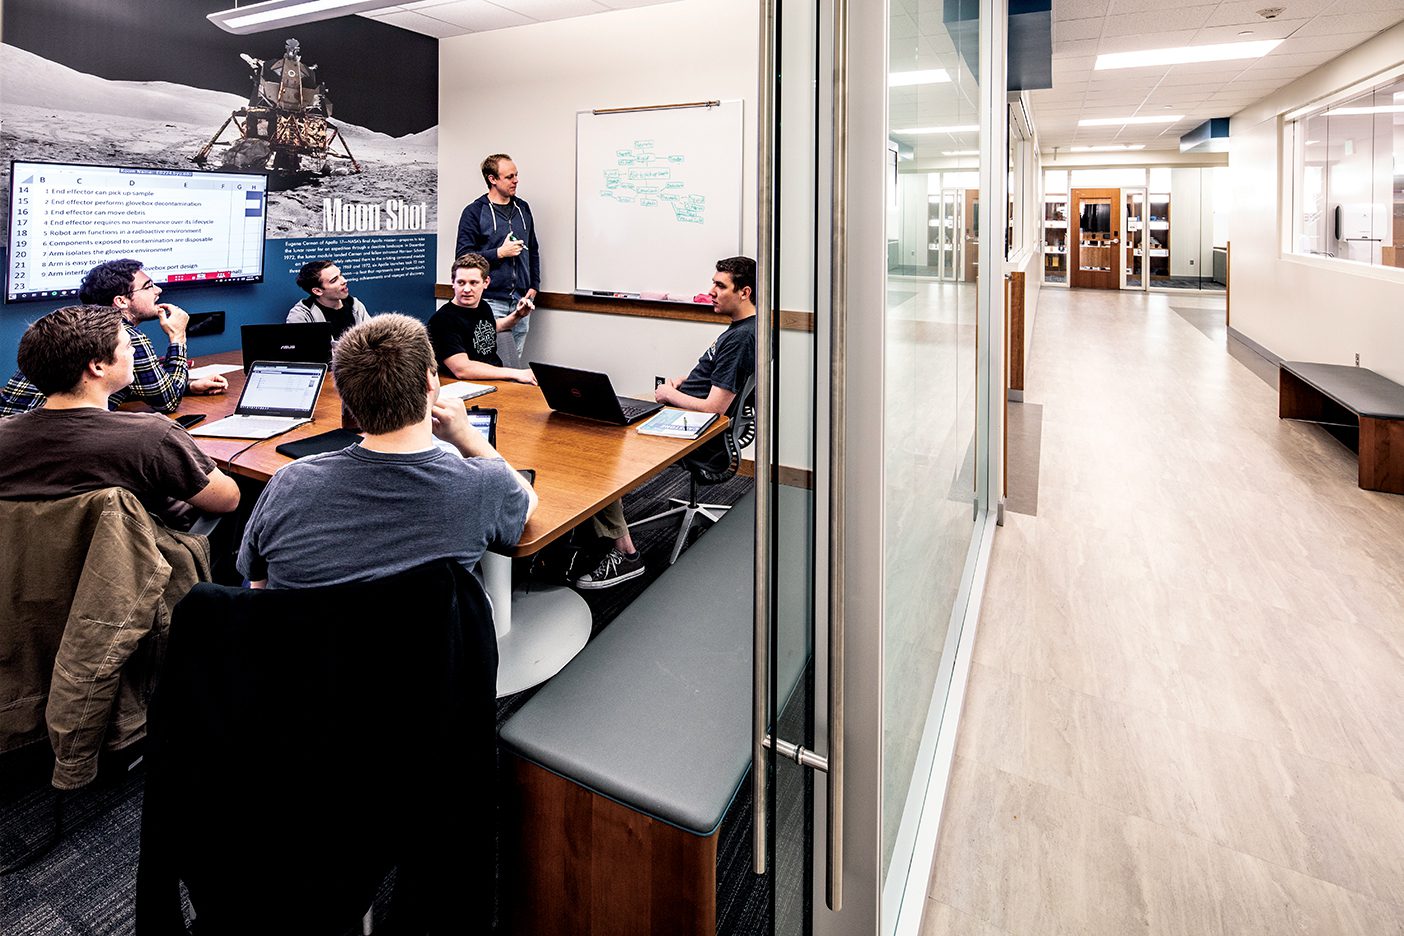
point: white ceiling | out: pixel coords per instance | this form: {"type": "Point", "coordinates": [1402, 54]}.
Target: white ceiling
{"type": "Point", "coordinates": [1314, 32]}
{"type": "Point", "coordinates": [444, 18]}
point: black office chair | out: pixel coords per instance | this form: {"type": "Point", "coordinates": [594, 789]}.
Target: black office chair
{"type": "Point", "coordinates": [704, 471]}
{"type": "Point", "coordinates": [301, 743]}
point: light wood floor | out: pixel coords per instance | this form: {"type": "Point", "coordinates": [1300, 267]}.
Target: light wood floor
{"type": "Point", "coordinates": [1186, 710]}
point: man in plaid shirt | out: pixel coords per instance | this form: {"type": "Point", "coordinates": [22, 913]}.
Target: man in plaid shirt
{"type": "Point", "coordinates": [158, 382]}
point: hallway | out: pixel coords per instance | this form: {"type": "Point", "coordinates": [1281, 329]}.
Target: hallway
{"type": "Point", "coordinates": [1186, 707]}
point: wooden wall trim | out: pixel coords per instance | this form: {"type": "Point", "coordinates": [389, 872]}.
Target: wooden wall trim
{"type": "Point", "coordinates": [642, 308]}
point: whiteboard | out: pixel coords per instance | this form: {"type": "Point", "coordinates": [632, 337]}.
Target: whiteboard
{"type": "Point", "coordinates": [658, 197]}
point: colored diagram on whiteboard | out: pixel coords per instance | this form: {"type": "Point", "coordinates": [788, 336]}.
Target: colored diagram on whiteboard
{"type": "Point", "coordinates": [648, 179]}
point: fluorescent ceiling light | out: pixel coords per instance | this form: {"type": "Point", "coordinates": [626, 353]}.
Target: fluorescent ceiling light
{"type": "Point", "coordinates": [1382, 109]}
{"type": "Point", "coordinates": [278, 14]}
{"type": "Point", "coordinates": [908, 78]}
{"type": "Point", "coordinates": [1109, 148]}
{"type": "Point", "coordinates": [1122, 121]}
{"type": "Point", "coordinates": [1183, 55]}
{"type": "Point", "coordinates": [961, 153]}
{"type": "Point", "coordinates": [971, 128]}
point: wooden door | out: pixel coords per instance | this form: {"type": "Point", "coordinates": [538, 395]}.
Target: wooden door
{"type": "Point", "coordinates": [972, 235]}
{"type": "Point", "coordinates": [1094, 238]}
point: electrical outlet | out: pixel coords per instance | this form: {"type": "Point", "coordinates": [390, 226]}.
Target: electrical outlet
{"type": "Point", "coordinates": [205, 323]}
{"type": "Point", "coordinates": [1357, 360]}
{"type": "Point", "coordinates": [1191, 263]}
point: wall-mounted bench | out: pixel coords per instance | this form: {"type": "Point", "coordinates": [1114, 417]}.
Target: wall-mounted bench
{"type": "Point", "coordinates": [1362, 409]}
{"type": "Point", "coordinates": [621, 769]}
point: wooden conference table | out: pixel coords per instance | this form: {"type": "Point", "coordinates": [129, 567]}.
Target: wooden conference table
{"type": "Point", "coordinates": [580, 467]}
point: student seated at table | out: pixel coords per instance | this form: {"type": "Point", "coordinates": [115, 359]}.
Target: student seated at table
{"type": "Point", "coordinates": [396, 499]}
{"type": "Point", "coordinates": [79, 357]}
{"type": "Point", "coordinates": [160, 382]}
{"type": "Point", "coordinates": [710, 387]}
{"type": "Point", "coordinates": [328, 299]}
{"type": "Point", "coordinates": [464, 331]}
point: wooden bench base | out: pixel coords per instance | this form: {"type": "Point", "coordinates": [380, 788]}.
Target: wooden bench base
{"type": "Point", "coordinates": [1377, 443]}
{"type": "Point", "coordinates": [578, 863]}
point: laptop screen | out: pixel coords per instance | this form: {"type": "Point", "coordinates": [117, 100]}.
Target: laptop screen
{"type": "Point", "coordinates": [282, 388]}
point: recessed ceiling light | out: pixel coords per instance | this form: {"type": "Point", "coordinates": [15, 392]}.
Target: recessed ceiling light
{"type": "Point", "coordinates": [908, 78]}
{"type": "Point", "coordinates": [972, 128]}
{"type": "Point", "coordinates": [1181, 55]}
{"type": "Point", "coordinates": [1121, 121]}
{"type": "Point", "coordinates": [279, 14]}
{"type": "Point", "coordinates": [1246, 32]}
{"type": "Point", "coordinates": [961, 153]}
{"type": "Point", "coordinates": [1109, 148]}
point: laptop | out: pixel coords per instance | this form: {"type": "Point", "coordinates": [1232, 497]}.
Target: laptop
{"type": "Point", "coordinates": [277, 396]}
{"type": "Point", "coordinates": [589, 394]}
{"type": "Point", "coordinates": [301, 341]}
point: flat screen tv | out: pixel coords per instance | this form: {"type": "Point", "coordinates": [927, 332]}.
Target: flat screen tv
{"type": "Point", "coordinates": [187, 227]}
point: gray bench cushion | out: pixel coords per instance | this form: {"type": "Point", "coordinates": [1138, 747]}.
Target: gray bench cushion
{"type": "Point", "coordinates": [655, 712]}
{"type": "Point", "coordinates": [1362, 391]}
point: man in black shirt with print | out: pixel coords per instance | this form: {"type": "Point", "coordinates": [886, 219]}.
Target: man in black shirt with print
{"type": "Point", "coordinates": [464, 332]}
{"type": "Point", "coordinates": [711, 387]}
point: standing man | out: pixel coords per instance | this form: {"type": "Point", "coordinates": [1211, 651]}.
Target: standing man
{"type": "Point", "coordinates": [464, 332]}
{"type": "Point", "coordinates": [328, 299]}
{"type": "Point", "coordinates": [710, 387]}
{"type": "Point", "coordinates": [499, 226]}
{"type": "Point", "coordinates": [160, 382]}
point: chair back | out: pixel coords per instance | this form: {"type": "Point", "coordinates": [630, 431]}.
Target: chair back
{"type": "Point", "coordinates": [741, 433]}
{"type": "Point", "coordinates": [303, 742]}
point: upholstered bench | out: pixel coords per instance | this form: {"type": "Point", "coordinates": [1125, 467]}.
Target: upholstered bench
{"type": "Point", "coordinates": [622, 767]}
{"type": "Point", "coordinates": [1359, 407]}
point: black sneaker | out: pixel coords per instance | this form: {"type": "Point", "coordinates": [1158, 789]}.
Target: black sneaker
{"type": "Point", "coordinates": [614, 568]}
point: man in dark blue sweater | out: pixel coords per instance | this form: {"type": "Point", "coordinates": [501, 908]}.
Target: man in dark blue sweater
{"type": "Point", "coordinates": [499, 226]}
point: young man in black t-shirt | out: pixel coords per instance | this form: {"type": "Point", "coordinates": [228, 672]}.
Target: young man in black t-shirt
{"type": "Point", "coordinates": [464, 332]}
{"type": "Point", "coordinates": [710, 387]}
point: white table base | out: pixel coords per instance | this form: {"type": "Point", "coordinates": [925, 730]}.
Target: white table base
{"type": "Point", "coordinates": [538, 632]}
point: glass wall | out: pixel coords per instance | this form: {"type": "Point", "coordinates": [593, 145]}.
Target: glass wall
{"type": "Point", "coordinates": [1174, 224]}
{"type": "Point", "coordinates": [1347, 199]}
{"type": "Point", "coordinates": [930, 484]}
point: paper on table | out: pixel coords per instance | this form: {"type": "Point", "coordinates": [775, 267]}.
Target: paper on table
{"type": "Point", "coordinates": [463, 390]}
{"type": "Point", "coordinates": [210, 370]}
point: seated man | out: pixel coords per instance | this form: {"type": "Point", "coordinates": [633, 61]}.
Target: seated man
{"type": "Point", "coordinates": [158, 382]}
{"type": "Point", "coordinates": [79, 357]}
{"type": "Point", "coordinates": [328, 299]}
{"type": "Point", "coordinates": [396, 499]}
{"type": "Point", "coordinates": [464, 331]}
{"type": "Point", "coordinates": [710, 387]}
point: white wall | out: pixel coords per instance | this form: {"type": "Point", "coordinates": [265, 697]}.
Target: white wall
{"type": "Point", "coordinates": [525, 104]}
{"type": "Point", "coordinates": [1305, 308]}
{"type": "Point", "coordinates": [1186, 197]}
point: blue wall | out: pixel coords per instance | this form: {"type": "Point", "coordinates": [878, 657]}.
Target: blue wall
{"type": "Point", "coordinates": [244, 303]}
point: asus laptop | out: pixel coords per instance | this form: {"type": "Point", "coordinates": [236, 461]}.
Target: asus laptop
{"type": "Point", "coordinates": [277, 396]}
{"type": "Point", "coordinates": [588, 394]}
{"type": "Point", "coordinates": [302, 341]}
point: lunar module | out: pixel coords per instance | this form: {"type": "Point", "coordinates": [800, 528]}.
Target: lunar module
{"type": "Point", "coordinates": [286, 125]}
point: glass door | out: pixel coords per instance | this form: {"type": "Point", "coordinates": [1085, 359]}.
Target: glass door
{"type": "Point", "coordinates": [1134, 239]}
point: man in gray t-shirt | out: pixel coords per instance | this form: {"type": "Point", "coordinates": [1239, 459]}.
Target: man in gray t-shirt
{"type": "Point", "coordinates": [397, 499]}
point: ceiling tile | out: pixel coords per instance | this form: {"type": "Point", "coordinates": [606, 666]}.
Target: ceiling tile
{"type": "Point", "coordinates": [1364, 6]}
{"type": "Point", "coordinates": [1065, 30]}
{"type": "Point", "coordinates": [902, 27]}
{"type": "Point", "coordinates": [416, 22]}
{"type": "Point", "coordinates": [1355, 23]}
{"type": "Point", "coordinates": [1078, 47]}
{"type": "Point", "coordinates": [542, 10]}
{"type": "Point", "coordinates": [473, 15]}
{"type": "Point", "coordinates": [1079, 9]}
{"type": "Point", "coordinates": [1233, 12]}
{"type": "Point", "coordinates": [1150, 40]}
{"type": "Point", "coordinates": [1218, 34]}
{"type": "Point", "coordinates": [1152, 23]}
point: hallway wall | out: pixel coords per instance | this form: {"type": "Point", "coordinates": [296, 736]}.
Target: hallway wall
{"type": "Point", "coordinates": [1298, 307]}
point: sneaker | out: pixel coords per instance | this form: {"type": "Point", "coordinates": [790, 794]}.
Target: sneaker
{"type": "Point", "coordinates": [614, 568]}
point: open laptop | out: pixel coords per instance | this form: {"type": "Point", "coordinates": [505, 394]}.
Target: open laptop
{"type": "Point", "coordinates": [277, 396]}
{"type": "Point", "coordinates": [300, 341]}
{"type": "Point", "coordinates": [588, 394]}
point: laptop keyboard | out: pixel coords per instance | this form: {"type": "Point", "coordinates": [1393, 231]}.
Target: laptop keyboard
{"type": "Point", "coordinates": [633, 408]}
{"type": "Point", "coordinates": [259, 423]}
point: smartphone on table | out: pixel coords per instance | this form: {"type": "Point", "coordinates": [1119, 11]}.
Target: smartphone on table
{"type": "Point", "coordinates": [189, 419]}
{"type": "Point", "coordinates": [529, 474]}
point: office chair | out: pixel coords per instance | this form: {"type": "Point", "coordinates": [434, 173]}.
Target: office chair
{"type": "Point", "coordinates": [303, 742]}
{"type": "Point", "coordinates": [741, 433]}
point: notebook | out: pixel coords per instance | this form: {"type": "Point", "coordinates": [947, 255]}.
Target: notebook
{"type": "Point", "coordinates": [677, 424]}
{"type": "Point", "coordinates": [277, 396]}
{"type": "Point", "coordinates": [588, 394]}
{"type": "Point", "coordinates": [300, 341]}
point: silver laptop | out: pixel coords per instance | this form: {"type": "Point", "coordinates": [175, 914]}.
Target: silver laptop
{"type": "Point", "coordinates": [277, 396]}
